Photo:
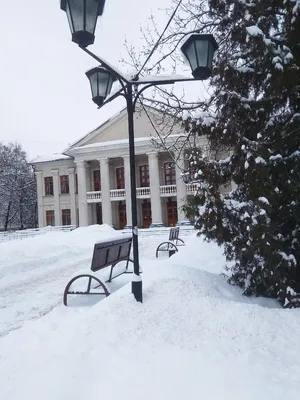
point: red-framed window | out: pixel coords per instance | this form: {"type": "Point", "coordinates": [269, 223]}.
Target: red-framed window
{"type": "Point", "coordinates": [170, 174]}
{"type": "Point", "coordinates": [97, 180]}
{"type": "Point", "coordinates": [120, 178]}
{"type": "Point", "coordinates": [50, 220]}
{"type": "Point", "coordinates": [64, 184]}
{"type": "Point", "coordinates": [48, 186]}
{"type": "Point", "coordinates": [144, 176]}
{"type": "Point", "coordinates": [66, 217]}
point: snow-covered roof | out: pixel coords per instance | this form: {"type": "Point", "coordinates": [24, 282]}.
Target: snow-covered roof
{"type": "Point", "coordinates": [50, 157]}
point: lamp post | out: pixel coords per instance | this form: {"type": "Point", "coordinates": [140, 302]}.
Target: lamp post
{"type": "Point", "coordinates": [198, 50]}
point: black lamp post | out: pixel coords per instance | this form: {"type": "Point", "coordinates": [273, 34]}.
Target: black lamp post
{"type": "Point", "coordinates": [198, 49]}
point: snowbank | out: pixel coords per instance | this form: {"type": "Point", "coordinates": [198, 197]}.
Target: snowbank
{"type": "Point", "coordinates": [193, 337]}
{"type": "Point", "coordinates": [34, 271]}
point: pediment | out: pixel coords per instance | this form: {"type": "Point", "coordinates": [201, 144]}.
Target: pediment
{"type": "Point", "coordinates": [146, 125]}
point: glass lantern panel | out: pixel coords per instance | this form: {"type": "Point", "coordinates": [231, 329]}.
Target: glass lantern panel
{"type": "Point", "coordinates": [93, 83]}
{"type": "Point", "coordinates": [191, 56]}
{"type": "Point", "coordinates": [109, 86]}
{"type": "Point", "coordinates": [77, 13]}
{"type": "Point", "coordinates": [202, 52]}
{"type": "Point", "coordinates": [92, 7]}
{"type": "Point", "coordinates": [103, 80]}
{"type": "Point", "coordinates": [69, 17]}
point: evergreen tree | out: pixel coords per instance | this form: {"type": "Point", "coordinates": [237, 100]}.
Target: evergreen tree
{"type": "Point", "coordinates": [256, 117]}
{"type": "Point", "coordinates": [251, 122]}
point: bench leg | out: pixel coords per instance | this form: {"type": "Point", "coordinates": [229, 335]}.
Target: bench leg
{"type": "Point", "coordinates": [110, 275]}
{"type": "Point", "coordinates": [171, 253]}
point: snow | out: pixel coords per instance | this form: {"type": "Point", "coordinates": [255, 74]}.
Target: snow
{"type": "Point", "coordinates": [263, 200]}
{"type": "Point", "coordinates": [207, 118]}
{"type": "Point", "coordinates": [260, 160]}
{"type": "Point", "coordinates": [254, 30]}
{"type": "Point", "coordinates": [50, 157]}
{"type": "Point", "coordinates": [276, 157]}
{"type": "Point", "coordinates": [193, 337]}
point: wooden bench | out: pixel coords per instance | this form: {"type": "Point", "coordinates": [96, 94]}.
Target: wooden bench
{"type": "Point", "coordinates": [105, 254]}
{"type": "Point", "coordinates": [172, 244]}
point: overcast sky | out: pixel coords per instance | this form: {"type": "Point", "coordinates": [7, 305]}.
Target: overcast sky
{"type": "Point", "coordinates": [45, 100]}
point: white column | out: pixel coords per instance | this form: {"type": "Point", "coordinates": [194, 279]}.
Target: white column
{"type": "Point", "coordinates": [71, 172]}
{"type": "Point", "coordinates": [82, 203]}
{"type": "Point", "coordinates": [105, 191]}
{"type": "Point", "coordinates": [56, 196]}
{"type": "Point", "coordinates": [181, 190]}
{"type": "Point", "coordinates": [39, 188]}
{"type": "Point", "coordinates": [156, 209]}
{"type": "Point", "coordinates": [127, 190]}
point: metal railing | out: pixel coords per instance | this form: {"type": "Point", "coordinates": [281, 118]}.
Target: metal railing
{"type": "Point", "coordinates": [30, 233]}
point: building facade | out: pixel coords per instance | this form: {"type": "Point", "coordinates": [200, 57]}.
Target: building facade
{"type": "Point", "coordinates": [90, 182]}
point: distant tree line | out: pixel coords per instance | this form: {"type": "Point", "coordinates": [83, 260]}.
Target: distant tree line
{"type": "Point", "coordinates": [18, 198]}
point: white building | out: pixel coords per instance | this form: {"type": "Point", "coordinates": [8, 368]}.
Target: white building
{"type": "Point", "coordinates": [90, 182]}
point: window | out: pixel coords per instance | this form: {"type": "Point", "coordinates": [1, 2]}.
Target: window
{"type": "Point", "coordinates": [50, 220]}
{"type": "Point", "coordinates": [49, 186]}
{"type": "Point", "coordinates": [76, 184]}
{"type": "Point", "coordinates": [144, 176]}
{"type": "Point", "coordinates": [170, 175]}
{"type": "Point", "coordinates": [64, 184]}
{"type": "Point", "coordinates": [66, 217]}
{"type": "Point", "coordinates": [97, 181]}
{"type": "Point", "coordinates": [120, 178]}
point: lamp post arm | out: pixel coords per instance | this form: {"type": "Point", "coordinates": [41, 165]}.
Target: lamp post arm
{"type": "Point", "coordinates": [156, 83]}
{"type": "Point", "coordinates": [121, 78]}
{"type": "Point", "coordinates": [114, 96]}
{"type": "Point", "coordinates": [166, 81]}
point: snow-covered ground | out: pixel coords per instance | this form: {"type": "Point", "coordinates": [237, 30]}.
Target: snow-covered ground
{"type": "Point", "coordinates": [193, 337]}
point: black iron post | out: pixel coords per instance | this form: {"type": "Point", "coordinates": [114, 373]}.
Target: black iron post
{"type": "Point", "coordinates": [136, 285]}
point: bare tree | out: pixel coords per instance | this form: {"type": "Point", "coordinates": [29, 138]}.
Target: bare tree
{"type": "Point", "coordinates": [17, 189]}
{"type": "Point", "coordinates": [161, 55]}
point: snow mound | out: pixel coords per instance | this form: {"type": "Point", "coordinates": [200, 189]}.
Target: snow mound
{"type": "Point", "coordinates": [184, 341]}
{"type": "Point", "coordinates": [194, 336]}
{"type": "Point", "coordinates": [44, 250]}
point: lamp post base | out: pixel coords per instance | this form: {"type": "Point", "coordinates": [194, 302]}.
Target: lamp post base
{"type": "Point", "coordinates": [137, 290]}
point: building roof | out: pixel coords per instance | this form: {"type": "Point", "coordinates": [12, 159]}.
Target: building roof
{"type": "Point", "coordinates": [49, 158]}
